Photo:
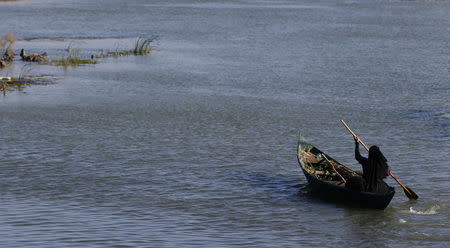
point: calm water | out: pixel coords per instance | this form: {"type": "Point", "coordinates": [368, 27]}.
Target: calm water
{"type": "Point", "coordinates": [194, 145]}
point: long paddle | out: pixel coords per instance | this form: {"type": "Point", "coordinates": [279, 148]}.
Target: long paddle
{"type": "Point", "coordinates": [408, 192]}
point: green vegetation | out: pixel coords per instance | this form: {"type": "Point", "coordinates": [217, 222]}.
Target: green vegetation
{"type": "Point", "coordinates": [23, 80]}
{"type": "Point", "coordinates": [10, 84]}
{"type": "Point", "coordinates": [19, 83]}
{"type": "Point", "coordinates": [72, 59]}
{"type": "Point", "coordinates": [141, 47]}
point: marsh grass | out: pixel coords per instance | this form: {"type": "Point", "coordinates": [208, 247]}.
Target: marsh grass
{"type": "Point", "coordinates": [73, 58]}
{"type": "Point", "coordinates": [141, 47]}
{"type": "Point", "coordinates": [7, 43]}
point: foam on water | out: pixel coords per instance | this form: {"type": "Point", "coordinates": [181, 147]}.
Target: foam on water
{"type": "Point", "coordinates": [432, 210]}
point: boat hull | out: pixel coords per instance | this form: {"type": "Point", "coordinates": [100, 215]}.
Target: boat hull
{"type": "Point", "coordinates": [338, 193]}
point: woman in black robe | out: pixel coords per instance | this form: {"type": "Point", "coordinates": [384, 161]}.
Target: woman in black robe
{"type": "Point", "coordinates": [375, 169]}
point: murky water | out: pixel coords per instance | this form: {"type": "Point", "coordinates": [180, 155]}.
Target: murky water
{"type": "Point", "coordinates": [194, 144]}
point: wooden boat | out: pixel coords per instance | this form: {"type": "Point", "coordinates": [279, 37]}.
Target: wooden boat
{"type": "Point", "coordinates": [327, 178]}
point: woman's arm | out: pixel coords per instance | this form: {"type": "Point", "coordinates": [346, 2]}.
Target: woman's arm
{"type": "Point", "coordinates": [358, 156]}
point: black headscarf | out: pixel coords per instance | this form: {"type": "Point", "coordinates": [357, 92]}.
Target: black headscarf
{"type": "Point", "coordinates": [377, 169]}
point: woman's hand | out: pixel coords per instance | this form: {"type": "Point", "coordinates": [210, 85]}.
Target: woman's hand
{"type": "Point", "coordinates": [357, 140]}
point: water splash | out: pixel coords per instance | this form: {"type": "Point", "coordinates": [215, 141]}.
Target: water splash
{"type": "Point", "coordinates": [432, 210]}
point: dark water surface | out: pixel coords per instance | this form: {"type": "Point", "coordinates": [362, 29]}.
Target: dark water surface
{"type": "Point", "coordinates": [194, 145]}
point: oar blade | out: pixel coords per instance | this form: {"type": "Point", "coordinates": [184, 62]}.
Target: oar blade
{"type": "Point", "coordinates": [410, 194]}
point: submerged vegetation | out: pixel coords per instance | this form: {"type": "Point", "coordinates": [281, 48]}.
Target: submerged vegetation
{"type": "Point", "coordinates": [23, 80]}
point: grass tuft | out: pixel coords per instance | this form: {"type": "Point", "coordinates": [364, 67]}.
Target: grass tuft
{"type": "Point", "coordinates": [73, 58]}
{"type": "Point", "coordinates": [142, 46]}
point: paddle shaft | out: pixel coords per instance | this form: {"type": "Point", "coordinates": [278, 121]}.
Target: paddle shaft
{"type": "Point", "coordinates": [354, 135]}
{"type": "Point", "coordinates": [390, 173]}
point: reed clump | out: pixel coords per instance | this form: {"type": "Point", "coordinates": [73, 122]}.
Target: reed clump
{"type": "Point", "coordinates": [141, 47]}
{"type": "Point", "coordinates": [74, 58]}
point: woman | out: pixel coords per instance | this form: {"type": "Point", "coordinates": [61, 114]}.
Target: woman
{"type": "Point", "coordinates": [375, 169]}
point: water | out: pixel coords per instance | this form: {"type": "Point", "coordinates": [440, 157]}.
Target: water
{"type": "Point", "coordinates": [194, 145]}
